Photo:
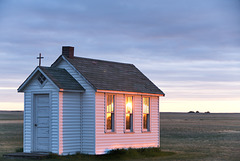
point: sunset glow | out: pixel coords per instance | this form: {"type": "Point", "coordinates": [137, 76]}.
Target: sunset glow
{"type": "Point", "coordinates": [189, 49]}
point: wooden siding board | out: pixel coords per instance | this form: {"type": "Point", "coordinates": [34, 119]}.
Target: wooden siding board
{"type": "Point", "coordinates": [87, 111]}
{"type": "Point", "coordinates": [159, 125]}
{"type": "Point", "coordinates": [120, 139]}
{"type": "Point", "coordinates": [55, 121]}
{"type": "Point", "coordinates": [35, 88]}
{"type": "Point", "coordinates": [27, 123]}
{"type": "Point", "coordinates": [68, 132]}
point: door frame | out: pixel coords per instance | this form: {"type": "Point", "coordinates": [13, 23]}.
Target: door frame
{"type": "Point", "coordinates": [33, 119]}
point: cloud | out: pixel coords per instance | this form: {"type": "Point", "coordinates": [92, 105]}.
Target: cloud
{"type": "Point", "coordinates": [169, 40]}
{"type": "Point", "coordinates": [205, 71]}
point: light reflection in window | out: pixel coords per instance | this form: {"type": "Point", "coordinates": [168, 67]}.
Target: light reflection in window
{"type": "Point", "coordinates": [110, 112]}
{"type": "Point", "coordinates": [129, 113]}
{"type": "Point", "coordinates": [146, 114]}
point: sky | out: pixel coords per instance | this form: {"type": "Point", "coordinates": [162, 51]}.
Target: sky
{"type": "Point", "coordinates": [189, 48]}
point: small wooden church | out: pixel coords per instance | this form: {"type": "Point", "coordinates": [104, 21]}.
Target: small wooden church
{"type": "Point", "coordinates": [89, 106]}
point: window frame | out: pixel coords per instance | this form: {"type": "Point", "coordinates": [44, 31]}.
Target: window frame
{"type": "Point", "coordinates": [113, 121]}
{"type": "Point", "coordinates": [131, 130]}
{"type": "Point", "coordinates": [42, 77]}
{"type": "Point", "coordinates": [148, 129]}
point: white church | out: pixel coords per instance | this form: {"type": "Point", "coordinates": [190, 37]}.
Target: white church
{"type": "Point", "coordinates": [89, 106]}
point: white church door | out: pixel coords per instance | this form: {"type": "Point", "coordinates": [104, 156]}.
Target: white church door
{"type": "Point", "coordinates": [41, 139]}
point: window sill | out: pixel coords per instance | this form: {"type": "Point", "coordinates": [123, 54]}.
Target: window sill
{"type": "Point", "coordinates": [129, 132]}
{"type": "Point", "coordinates": [146, 131]}
{"type": "Point", "coordinates": [109, 132]}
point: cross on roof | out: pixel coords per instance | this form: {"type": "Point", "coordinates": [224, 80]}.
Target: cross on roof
{"type": "Point", "coordinates": [40, 58]}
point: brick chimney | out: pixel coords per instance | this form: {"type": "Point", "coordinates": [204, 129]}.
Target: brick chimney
{"type": "Point", "coordinates": [68, 51]}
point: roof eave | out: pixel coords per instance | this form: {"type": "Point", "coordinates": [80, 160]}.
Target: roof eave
{"type": "Point", "coordinates": [22, 86]}
{"type": "Point", "coordinates": [63, 57]}
{"type": "Point", "coordinates": [71, 90]}
{"type": "Point", "coordinates": [133, 93]}
{"type": "Point", "coordinates": [54, 64]}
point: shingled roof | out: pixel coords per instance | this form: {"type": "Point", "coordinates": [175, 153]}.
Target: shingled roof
{"type": "Point", "coordinates": [61, 78]}
{"type": "Point", "coordinates": [107, 75]}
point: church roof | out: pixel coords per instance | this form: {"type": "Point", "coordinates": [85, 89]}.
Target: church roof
{"type": "Point", "coordinates": [61, 78]}
{"type": "Point", "coordinates": [58, 76]}
{"type": "Point", "coordinates": [114, 76]}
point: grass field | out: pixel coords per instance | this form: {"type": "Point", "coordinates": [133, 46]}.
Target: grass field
{"type": "Point", "coordinates": [11, 129]}
{"type": "Point", "coordinates": [190, 136]}
{"type": "Point", "coordinates": [201, 136]}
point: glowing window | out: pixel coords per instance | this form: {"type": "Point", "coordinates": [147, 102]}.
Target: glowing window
{"type": "Point", "coordinates": [146, 114]}
{"type": "Point", "coordinates": [110, 112]}
{"type": "Point", "coordinates": [129, 113]}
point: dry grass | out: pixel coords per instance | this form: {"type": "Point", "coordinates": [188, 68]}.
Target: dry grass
{"type": "Point", "coordinates": [201, 136]}
{"type": "Point", "coordinates": [11, 129]}
{"type": "Point", "coordinates": [191, 136]}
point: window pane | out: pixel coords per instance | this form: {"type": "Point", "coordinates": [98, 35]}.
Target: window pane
{"type": "Point", "coordinates": [110, 103]}
{"type": "Point", "coordinates": [129, 105]}
{"type": "Point", "coordinates": [41, 78]}
{"type": "Point", "coordinates": [145, 121]}
{"type": "Point", "coordinates": [145, 105]}
{"type": "Point", "coordinates": [112, 119]}
{"type": "Point", "coordinates": [113, 103]}
{"type": "Point", "coordinates": [109, 121]}
{"type": "Point", "coordinates": [128, 122]}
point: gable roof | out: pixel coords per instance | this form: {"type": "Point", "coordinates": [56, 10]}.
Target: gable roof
{"type": "Point", "coordinates": [114, 76]}
{"type": "Point", "coordinates": [60, 78]}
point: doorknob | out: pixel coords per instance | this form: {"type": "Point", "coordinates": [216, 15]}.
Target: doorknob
{"type": "Point", "coordinates": [35, 125]}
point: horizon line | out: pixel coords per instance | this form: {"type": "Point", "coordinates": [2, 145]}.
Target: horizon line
{"type": "Point", "coordinates": [159, 112]}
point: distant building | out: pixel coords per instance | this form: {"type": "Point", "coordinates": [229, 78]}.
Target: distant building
{"type": "Point", "coordinates": [89, 106]}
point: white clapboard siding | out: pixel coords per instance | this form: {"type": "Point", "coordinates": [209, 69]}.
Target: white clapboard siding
{"type": "Point", "coordinates": [69, 123]}
{"type": "Point", "coordinates": [87, 128]}
{"type": "Point", "coordinates": [35, 88]}
{"type": "Point", "coordinates": [27, 129]}
{"type": "Point", "coordinates": [159, 132]}
{"type": "Point", "coordinates": [120, 139]}
{"type": "Point", "coordinates": [155, 120]}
